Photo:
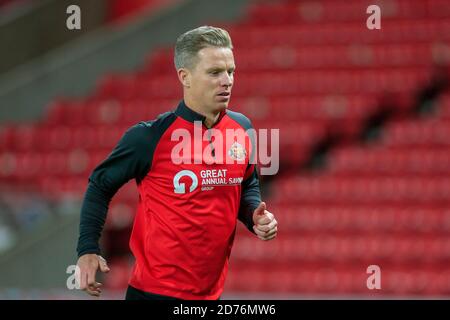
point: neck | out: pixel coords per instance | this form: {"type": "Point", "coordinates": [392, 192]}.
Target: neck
{"type": "Point", "coordinates": [211, 116]}
{"type": "Point", "coordinates": [211, 119]}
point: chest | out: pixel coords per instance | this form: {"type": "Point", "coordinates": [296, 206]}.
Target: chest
{"type": "Point", "coordinates": [192, 159]}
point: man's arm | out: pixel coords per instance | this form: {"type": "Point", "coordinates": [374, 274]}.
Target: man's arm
{"type": "Point", "coordinates": [250, 194]}
{"type": "Point", "coordinates": [250, 198]}
{"type": "Point", "coordinates": [131, 158]}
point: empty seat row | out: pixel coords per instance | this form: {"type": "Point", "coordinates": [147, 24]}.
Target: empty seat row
{"type": "Point", "coordinates": [429, 132]}
{"type": "Point", "coordinates": [59, 138]}
{"type": "Point", "coordinates": [333, 56]}
{"type": "Point", "coordinates": [364, 189]}
{"type": "Point", "coordinates": [76, 162]}
{"type": "Point", "coordinates": [346, 281]}
{"type": "Point", "coordinates": [320, 11]}
{"type": "Point", "coordinates": [426, 161]}
{"type": "Point", "coordinates": [345, 248]}
{"type": "Point", "coordinates": [356, 219]}
{"type": "Point", "coordinates": [306, 107]}
{"type": "Point", "coordinates": [401, 31]}
{"type": "Point", "coordinates": [106, 111]}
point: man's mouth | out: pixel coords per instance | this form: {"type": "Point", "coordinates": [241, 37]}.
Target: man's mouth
{"type": "Point", "coordinates": [224, 96]}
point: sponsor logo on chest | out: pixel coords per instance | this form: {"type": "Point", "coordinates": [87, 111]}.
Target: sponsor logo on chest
{"type": "Point", "coordinates": [208, 179]}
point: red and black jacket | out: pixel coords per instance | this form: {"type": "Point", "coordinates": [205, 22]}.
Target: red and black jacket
{"type": "Point", "coordinates": [186, 218]}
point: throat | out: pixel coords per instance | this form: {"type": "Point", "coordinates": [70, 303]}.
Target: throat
{"type": "Point", "coordinates": [211, 119]}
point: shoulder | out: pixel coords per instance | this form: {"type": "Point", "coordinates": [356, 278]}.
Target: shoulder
{"type": "Point", "coordinates": [160, 120]}
{"type": "Point", "coordinates": [145, 127]}
{"type": "Point", "coordinates": [146, 131]}
{"type": "Point", "coordinates": [241, 119]}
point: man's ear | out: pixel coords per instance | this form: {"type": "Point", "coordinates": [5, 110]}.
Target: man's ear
{"type": "Point", "coordinates": [184, 76]}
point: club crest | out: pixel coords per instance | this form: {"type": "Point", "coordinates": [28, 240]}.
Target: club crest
{"type": "Point", "coordinates": [237, 152]}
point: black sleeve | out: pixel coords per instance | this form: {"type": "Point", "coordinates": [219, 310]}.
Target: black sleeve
{"type": "Point", "coordinates": [250, 199]}
{"type": "Point", "coordinates": [250, 195]}
{"type": "Point", "coordinates": [130, 159]}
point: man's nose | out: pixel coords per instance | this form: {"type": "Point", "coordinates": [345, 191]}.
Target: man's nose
{"type": "Point", "coordinates": [226, 80]}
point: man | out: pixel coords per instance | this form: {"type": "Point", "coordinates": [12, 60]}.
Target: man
{"type": "Point", "coordinates": [186, 219]}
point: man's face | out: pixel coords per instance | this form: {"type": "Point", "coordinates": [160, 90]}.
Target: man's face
{"type": "Point", "coordinates": [211, 78]}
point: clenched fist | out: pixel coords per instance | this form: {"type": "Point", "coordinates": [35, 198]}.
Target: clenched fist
{"type": "Point", "coordinates": [265, 223]}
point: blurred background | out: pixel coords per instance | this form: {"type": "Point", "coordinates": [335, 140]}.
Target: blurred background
{"type": "Point", "coordinates": [364, 142]}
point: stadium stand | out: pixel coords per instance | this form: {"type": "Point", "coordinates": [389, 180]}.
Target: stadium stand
{"type": "Point", "coordinates": [365, 171]}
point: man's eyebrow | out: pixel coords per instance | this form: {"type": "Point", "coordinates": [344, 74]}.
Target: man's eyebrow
{"type": "Point", "coordinates": [219, 69]}
{"type": "Point", "coordinates": [215, 69]}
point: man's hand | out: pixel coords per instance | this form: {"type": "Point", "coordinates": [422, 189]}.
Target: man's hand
{"type": "Point", "coordinates": [88, 265]}
{"type": "Point", "coordinates": [265, 223]}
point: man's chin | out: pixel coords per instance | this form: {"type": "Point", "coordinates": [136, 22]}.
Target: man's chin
{"type": "Point", "coordinates": [221, 106]}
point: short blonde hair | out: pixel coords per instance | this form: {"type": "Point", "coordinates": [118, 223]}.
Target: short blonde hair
{"type": "Point", "coordinates": [191, 42]}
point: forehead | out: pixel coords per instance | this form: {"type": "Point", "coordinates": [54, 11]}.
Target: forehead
{"type": "Point", "coordinates": [215, 57]}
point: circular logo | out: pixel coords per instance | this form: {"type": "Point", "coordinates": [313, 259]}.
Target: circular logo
{"type": "Point", "coordinates": [180, 188]}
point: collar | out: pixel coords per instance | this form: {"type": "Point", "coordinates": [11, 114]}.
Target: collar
{"type": "Point", "coordinates": [190, 115]}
